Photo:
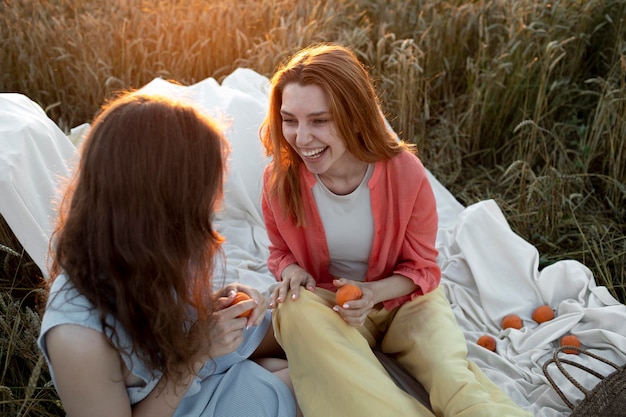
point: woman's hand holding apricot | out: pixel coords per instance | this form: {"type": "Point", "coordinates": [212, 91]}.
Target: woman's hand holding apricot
{"type": "Point", "coordinates": [355, 312]}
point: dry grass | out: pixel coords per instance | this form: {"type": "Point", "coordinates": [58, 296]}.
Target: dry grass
{"type": "Point", "coordinates": [520, 101]}
{"type": "Point", "coordinates": [25, 386]}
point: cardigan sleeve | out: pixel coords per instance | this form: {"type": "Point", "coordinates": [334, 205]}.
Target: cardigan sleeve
{"type": "Point", "coordinates": [415, 223]}
{"type": "Point", "coordinates": [279, 254]}
{"type": "Point", "coordinates": [419, 253]}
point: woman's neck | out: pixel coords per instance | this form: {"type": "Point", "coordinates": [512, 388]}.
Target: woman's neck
{"type": "Point", "coordinates": [346, 178]}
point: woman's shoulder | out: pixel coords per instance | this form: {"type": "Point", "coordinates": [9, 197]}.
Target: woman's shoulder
{"type": "Point", "coordinates": [69, 317]}
{"type": "Point", "coordinates": [64, 297]}
{"type": "Point", "coordinates": [78, 338]}
{"type": "Point", "coordinates": [84, 362]}
{"type": "Point", "coordinates": [69, 313]}
{"type": "Point", "coordinates": [407, 159]}
{"type": "Point", "coordinates": [405, 165]}
{"type": "Point", "coordinates": [66, 305]}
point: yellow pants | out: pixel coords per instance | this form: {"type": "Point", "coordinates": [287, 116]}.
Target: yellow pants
{"type": "Point", "coordinates": [335, 373]}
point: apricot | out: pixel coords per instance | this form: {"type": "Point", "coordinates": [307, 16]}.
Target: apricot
{"type": "Point", "coordinates": [570, 340]}
{"type": "Point", "coordinates": [348, 292]}
{"type": "Point", "coordinates": [240, 297]}
{"type": "Point", "coordinates": [512, 321]}
{"type": "Point", "coordinates": [487, 341]}
{"type": "Point", "coordinates": [543, 313]}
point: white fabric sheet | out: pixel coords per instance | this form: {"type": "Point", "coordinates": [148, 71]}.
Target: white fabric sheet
{"type": "Point", "coordinates": [35, 155]}
{"type": "Point", "coordinates": [488, 270]}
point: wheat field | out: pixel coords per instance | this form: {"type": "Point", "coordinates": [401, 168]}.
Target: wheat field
{"type": "Point", "coordinates": [523, 102]}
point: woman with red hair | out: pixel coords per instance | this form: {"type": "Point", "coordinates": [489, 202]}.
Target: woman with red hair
{"type": "Point", "coordinates": [132, 325]}
{"type": "Point", "coordinates": [345, 202]}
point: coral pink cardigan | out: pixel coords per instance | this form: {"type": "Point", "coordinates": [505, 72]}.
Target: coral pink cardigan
{"type": "Point", "coordinates": [405, 229]}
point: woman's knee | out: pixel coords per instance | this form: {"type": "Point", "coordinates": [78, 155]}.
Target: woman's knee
{"type": "Point", "coordinates": [304, 315]}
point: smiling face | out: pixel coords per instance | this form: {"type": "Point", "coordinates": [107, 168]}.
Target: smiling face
{"type": "Point", "coordinates": [310, 130]}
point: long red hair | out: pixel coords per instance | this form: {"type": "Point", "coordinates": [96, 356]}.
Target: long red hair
{"type": "Point", "coordinates": [354, 106]}
{"type": "Point", "coordinates": [135, 233]}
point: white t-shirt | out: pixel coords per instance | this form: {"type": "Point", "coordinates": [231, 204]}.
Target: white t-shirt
{"type": "Point", "coordinates": [349, 227]}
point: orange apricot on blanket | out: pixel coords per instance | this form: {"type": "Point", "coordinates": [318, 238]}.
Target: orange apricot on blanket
{"type": "Point", "coordinates": [347, 293]}
{"type": "Point", "coordinates": [512, 321]}
{"type": "Point", "coordinates": [240, 297]}
{"type": "Point", "coordinates": [570, 340]}
{"type": "Point", "coordinates": [487, 341]}
{"type": "Point", "coordinates": [543, 313]}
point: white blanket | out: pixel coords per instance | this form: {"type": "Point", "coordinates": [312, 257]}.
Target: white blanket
{"type": "Point", "coordinates": [488, 270]}
{"type": "Point", "coordinates": [35, 156]}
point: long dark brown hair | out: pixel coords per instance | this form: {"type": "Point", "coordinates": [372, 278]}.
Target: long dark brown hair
{"type": "Point", "coordinates": [353, 104]}
{"type": "Point", "coordinates": [135, 234]}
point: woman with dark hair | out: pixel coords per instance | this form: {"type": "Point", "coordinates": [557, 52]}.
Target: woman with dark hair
{"type": "Point", "coordinates": [132, 325]}
{"type": "Point", "coordinates": [345, 202]}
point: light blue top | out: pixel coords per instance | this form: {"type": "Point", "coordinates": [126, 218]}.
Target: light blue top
{"type": "Point", "coordinates": [228, 386]}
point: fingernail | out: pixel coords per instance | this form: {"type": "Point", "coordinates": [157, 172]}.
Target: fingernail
{"type": "Point", "coordinates": [293, 296]}
{"type": "Point", "coordinates": [336, 308]}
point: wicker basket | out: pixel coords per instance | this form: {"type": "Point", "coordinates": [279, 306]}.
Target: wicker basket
{"type": "Point", "coordinates": [606, 399]}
